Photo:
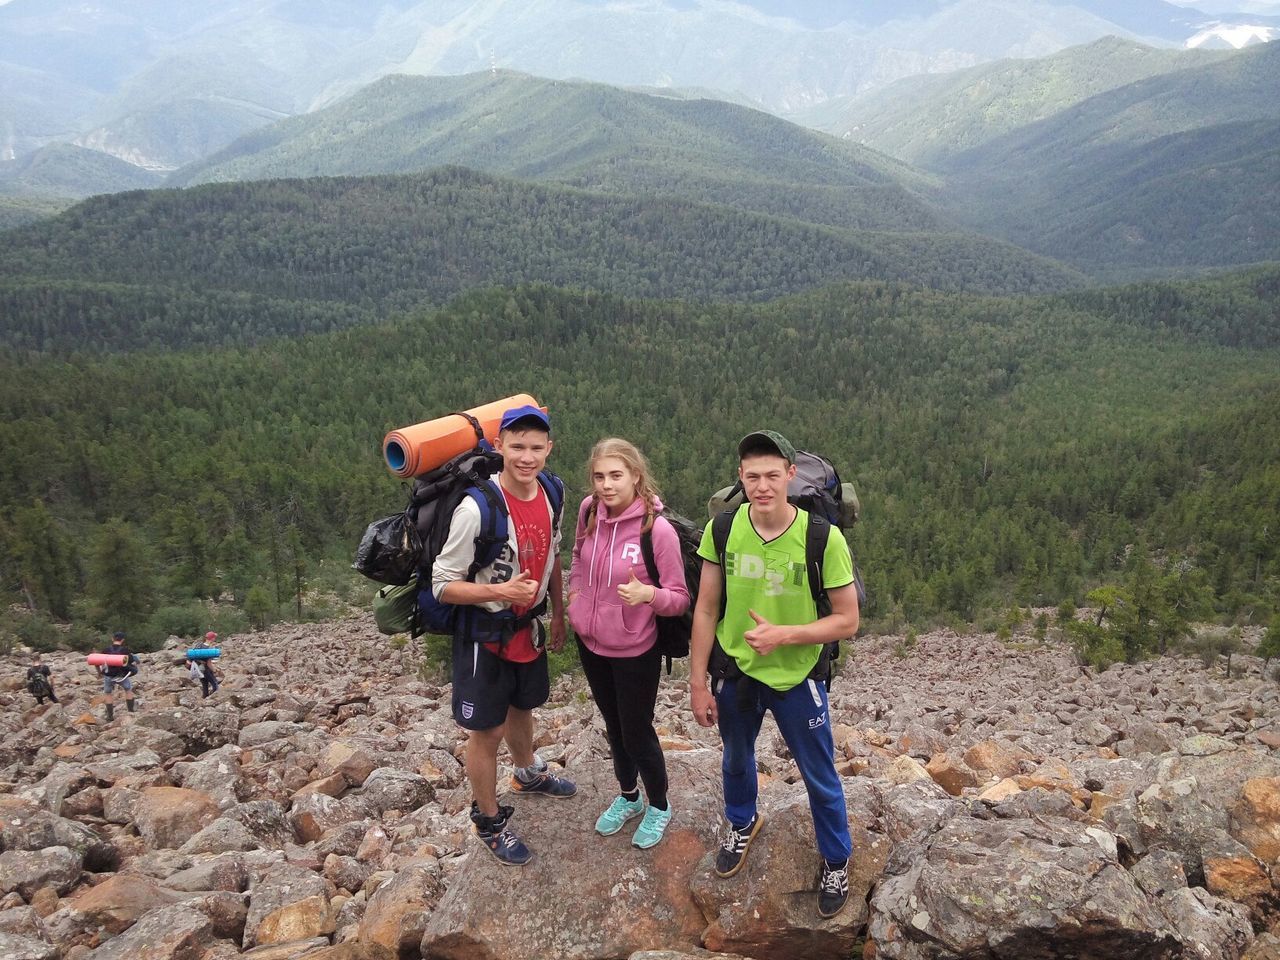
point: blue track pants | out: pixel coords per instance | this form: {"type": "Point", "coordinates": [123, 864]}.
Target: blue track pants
{"type": "Point", "coordinates": [805, 723]}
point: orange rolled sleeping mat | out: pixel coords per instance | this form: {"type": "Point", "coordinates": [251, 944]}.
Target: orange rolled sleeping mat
{"type": "Point", "coordinates": [414, 450]}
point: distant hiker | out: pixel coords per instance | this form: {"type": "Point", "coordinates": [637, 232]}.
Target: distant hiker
{"type": "Point", "coordinates": [40, 681]}
{"type": "Point", "coordinates": [202, 670]}
{"type": "Point", "coordinates": [208, 679]}
{"type": "Point", "coordinates": [499, 641]}
{"type": "Point", "coordinates": [121, 676]}
{"type": "Point", "coordinates": [613, 606]}
{"type": "Point", "coordinates": [772, 635]}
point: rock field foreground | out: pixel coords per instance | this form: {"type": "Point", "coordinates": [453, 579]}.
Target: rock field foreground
{"type": "Point", "coordinates": [1004, 803]}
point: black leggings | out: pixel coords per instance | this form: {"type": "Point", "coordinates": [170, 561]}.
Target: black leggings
{"type": "Point", "coordinates": [626, 689]}
{"type": "Point", "coordinates": [208, 685]}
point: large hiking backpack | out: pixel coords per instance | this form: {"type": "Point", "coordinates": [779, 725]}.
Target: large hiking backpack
{"type": "Point", "coordinates": [410, 605]}
{"type": "Point", "coordinates": [434, 498]}
{"type": "Point", "coordinates": [38, 685]}
{"type": "Point", "coordinates": [816, 488]}
{"type": "Point", "coordinates": [674, 632]}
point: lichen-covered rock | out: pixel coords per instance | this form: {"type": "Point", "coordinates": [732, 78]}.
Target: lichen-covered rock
{"type": "Point", "coordinates": [26, 871]}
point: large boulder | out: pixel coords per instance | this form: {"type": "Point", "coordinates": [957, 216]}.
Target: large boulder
{"type": "Point", "coordinates": [584, 896]}
{"type": "Point", "coordinates": [116, 904]}
{"type": "Point", "coordinates": [1255, 818]}
{"type": "Point", "coordinates": [40, 829]}
{"type": "Point", "coordinates": [200, 728]}
{"type": "Point", "coordinates": [177, 932]}
{"type": "Point", "coordinates": [988, 889]}
{"type": "Point", "coordinates": [770, 907]}
{"type": "Point", "coordinates": [169, 816]}
{"type": "Point", "coordinates": [15, 947]}
{"type": "Point", "coordinates": [390, 789]}
{"type": "Point", "coordinates": [258, 824]}
{"type": "Point", "coordinates": [396, 918]}
{"type": "Point", "coordinates": [290, 903]}
{"type": "Point", "coordinates": [26, 871]}
{"type": "Point", "coordinates": [313, 815]}
{"type": "Point", "coordinates": [217, 774]}
{"type": "Point", "coordinates": [63, 780]}
{"type": "Point", "coordinates": [225, 872]}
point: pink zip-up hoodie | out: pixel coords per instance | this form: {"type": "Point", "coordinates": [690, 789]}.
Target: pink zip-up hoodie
{"type": "Point", "coordinates": [603, 560]}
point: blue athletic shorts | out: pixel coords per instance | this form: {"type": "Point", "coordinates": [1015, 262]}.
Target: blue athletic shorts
{"type": "Point", "coordinates": [485, 685]}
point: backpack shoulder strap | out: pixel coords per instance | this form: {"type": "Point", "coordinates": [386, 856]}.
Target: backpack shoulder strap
{"type": "Point", "coordinates": [646, 551]}
{"type": "Point", "coordinates": [553, 486]}
{"type": "Point", "coordinates": [721, 525]}
{"type": "Point", "coordinates": [493, 525]}
{"type": "Point", "coordinates": [815, 548]}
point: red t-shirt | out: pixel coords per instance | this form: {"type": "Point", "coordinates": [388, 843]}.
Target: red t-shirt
{"type": "Point", "coordinates": [531, 520]}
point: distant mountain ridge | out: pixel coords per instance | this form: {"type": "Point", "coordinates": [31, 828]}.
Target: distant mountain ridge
{"type": "Point", "coordinates": [71, 68]}
{"type": "Point", "coordinates": [591, 136]}
{"type": "Point", "coordinates": [925, 119]}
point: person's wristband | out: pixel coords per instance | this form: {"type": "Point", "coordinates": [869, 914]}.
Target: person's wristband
{"type": "Point", "coordinates": [652, 596]}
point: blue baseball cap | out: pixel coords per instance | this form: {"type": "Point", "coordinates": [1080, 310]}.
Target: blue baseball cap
{"type": "Point", "coordinates": [528, 412]}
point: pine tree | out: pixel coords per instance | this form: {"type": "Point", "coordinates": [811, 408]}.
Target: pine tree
{"type": "Point", "coordinates": [121, 578]}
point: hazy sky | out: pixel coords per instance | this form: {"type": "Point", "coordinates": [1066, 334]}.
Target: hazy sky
{"type": "Point", "coordinates": [1270, 7]}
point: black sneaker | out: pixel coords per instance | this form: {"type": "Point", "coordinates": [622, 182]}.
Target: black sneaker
{"type": "Point", "coordinates": [733, 848]}
{"type": "Point", "coordinates": [833, 889]}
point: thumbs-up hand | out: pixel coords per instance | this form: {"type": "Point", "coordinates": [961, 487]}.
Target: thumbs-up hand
{"type": "Point", "coordinates": [764, 637]}
{"type": "Point", "coordinates": [519, 591]}
{"type": "Point", "coordinates": [634, 593]}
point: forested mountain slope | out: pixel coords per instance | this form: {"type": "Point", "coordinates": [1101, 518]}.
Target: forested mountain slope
{"type": "Point", "coordinates": [928, 118]}
{"type": "Point", "coordinates": [585, 135]}
{"type": "Point", "coordinates": [1004, 448]}
{"type": "Point", "coordinates": [1176, 171]}
{"type": "Point", "coordinates": [63, 171]}
{"type": "Point", "coordinates": [144, 269]}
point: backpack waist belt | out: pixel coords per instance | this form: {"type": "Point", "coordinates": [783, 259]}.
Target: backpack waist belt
{"type": "Point", "coordinates": [477, 625]}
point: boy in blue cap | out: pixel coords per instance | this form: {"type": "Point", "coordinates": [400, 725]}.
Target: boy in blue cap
{"type": "Point", "coordinates": [500, 643]}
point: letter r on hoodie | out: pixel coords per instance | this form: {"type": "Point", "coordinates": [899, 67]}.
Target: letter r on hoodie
{"type": "Point", "coordinates": [631, 552]}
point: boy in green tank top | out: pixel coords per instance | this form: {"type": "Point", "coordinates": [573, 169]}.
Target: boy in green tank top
{"type": "Point", "coordinates": [772, 633]}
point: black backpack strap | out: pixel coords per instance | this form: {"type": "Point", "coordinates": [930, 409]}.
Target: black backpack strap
{"type": "Point", "coordinates": [815, 548]}
{"type": "Point", "coordinates": [721, 524]}
{"type": "Point", "coordinates": [475, 425]}
{"type": "Point", "coordinates": [646, 551]}
{"type": "Point", "coordinates": [720, 665]}
{"type": "Point", "coordinates": [651, 565]}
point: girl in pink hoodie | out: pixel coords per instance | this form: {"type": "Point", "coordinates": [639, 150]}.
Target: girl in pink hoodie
{"type": "Point", "coordinates": [612, 608]}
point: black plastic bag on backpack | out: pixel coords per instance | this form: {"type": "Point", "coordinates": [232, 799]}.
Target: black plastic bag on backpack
{"type": "Point", "coordinates": [390, 550]}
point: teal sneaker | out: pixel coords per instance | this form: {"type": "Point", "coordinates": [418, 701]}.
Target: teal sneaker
{"type": "Point", "coordinates": [619, 812]}
{"type": "Point", "coordinates": [652, 827]}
